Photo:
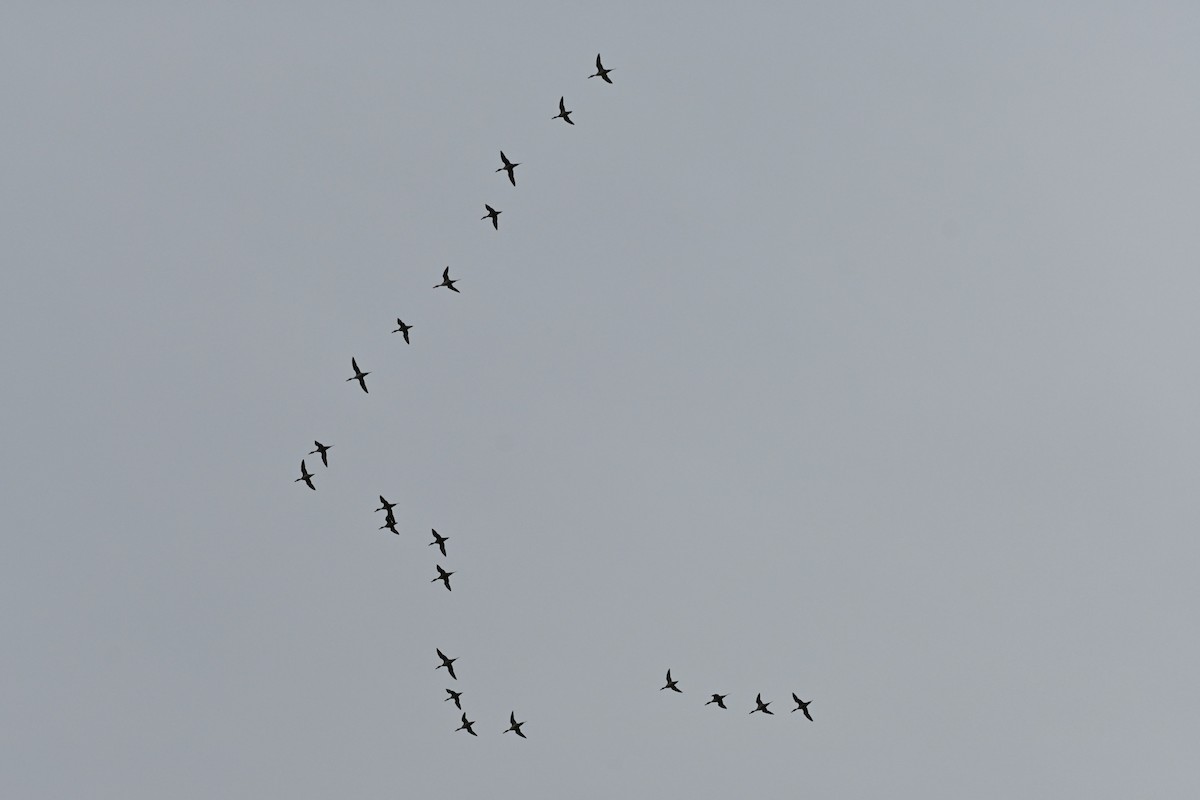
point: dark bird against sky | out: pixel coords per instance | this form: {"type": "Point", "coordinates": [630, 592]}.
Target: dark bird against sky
{"type": "Point", "coordinates": [761, 706]}
{"type": "Point", "coordinates": [514, 726]}
{"type": "Point", "coordinates": [456, 697]}
{"type": "Point", "coordinates": [671, 684]}
{"type": "Point", "coordinates": [439, 540]}
{"type": "Point", "coordinates": [466, 725]}
{"type": "Point", "coordinates": [359, 375]}
{"type": "Point", "coordinates": [404, 328]}
{"type": "Point", "coordinates": [563, 113]}
{"type": "Point", "coordinates": [601, 72]}
{"type": "Point", "coordinates": [494, 214]}
{"type": "Point", "coordinates": [801, 706]}
{"type": "Point", "coordinates": [443, 576]}
{"type": "Point", "coordinates": [447, 662]}
{"type": "Point", "coordinates": [508, 167]}
{"type": "Point", "coordinates": [719, 699]}
{"type": "Point", "coordinates": [323, 449]}
{"type": "Point", "coordinates": [305, 476]}
{"type": "Point", "coordinates": [449, 284]}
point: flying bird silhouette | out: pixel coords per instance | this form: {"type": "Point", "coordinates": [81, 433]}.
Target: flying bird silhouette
{"type": "Point", "coordinates": [801, 706]}
{"type": "Point", "coordinates": [359, 375]}
{"type": "Point", "coordinates": [449, 284]}
{"type": "Point", "coordinates": [404, 328]}
{"type": "Point", "coordinates": [386, 506]}
{"type": "Point", "coordinates": [761, 706]}
{"type": "Point", "coordinates": [305, 476]}
{"type": "Point", "coordinates": [671, 684]}
{"type": "Point", "coordinates": [443, 576]}
{"type": "Point", "coordinates": [563, 114]}
{"type": "Point", "coordinates": [719, 699]}
{"type": "Point", "coordinates": [601, 72]}
{"type": "Point", "coordinates": [466, 726]}
{"type": "Point", "coordinates": [389, 524]}
{"type": "Point", "coordinates": [456, 697]}
{"type": "Point", "coordinates": [323, 449]}
{"type": "Point", "coordinates": [508, 167]}
{"type": "Point", "coordinates": [494, 214]}
{"type": "Point", "coordinates": [514, 726]}
{"type": "Point", "coordinates": [439, 540]}
{"type": "Point", "coordinates": [447, 662]}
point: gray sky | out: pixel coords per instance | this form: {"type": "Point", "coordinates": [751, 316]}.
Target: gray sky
{"type": "Point", "coordinates": [847, 350]}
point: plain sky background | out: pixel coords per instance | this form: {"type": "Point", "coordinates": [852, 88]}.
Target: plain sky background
{"type": "Point", "coordinates": [846, 348]}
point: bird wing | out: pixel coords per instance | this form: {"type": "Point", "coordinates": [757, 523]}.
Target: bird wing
{"type": "Point", "coordinates": [489, 208]}
{"type": "Point", "coordinates": [450, 669]}
{"type": "Point", "coordinates": [441, 655]}
{"type": "Point", "coordinates": [561, 106]}
{"type": "Point", "coordinates": [599, 66]}
{"type": "Point", "coordinates": [406, 341]}
{"type": "Point", "coordinates": [517, 731]}
{"type": "Point", "coordinates": [799, 702]}
{"type": "Point", "coordinates": [512, 719]}
{"type": "Point", "coordinates": [446, 274]}
{"type": "Point", "coordinates": [504, 158]}
{"type": "Point", "coordinates": [808, 715]}
{"type": "Point", "coordinates": [354, 363]}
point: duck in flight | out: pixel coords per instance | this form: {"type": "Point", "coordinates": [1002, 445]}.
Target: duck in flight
{"type": "Point", "coordinates": [719, 699]}
{"type": "Point", "coordinates": [466, 726]}
{"type": "Point", "coordinates": [447, 662]}
{"type": "Point", "coordinates": [359, 375]}
{"type": "Point", "coordinates": [305, 476]}
{"type": "Point", "coordinates": [801, 706]}
{"type": "Point", "coordinates": [444, 577]}
{"type": "Point", "coordinates": [439, 540]}
{"type": "Point", "coordinates": [508, 167]}
{"type": "Point", "coordinates": [494, 214]}
{"type": "Point", "coordinates": [514, 726]}
{"type": "Point", "coordinates": [386, 506]}
{"type": "Point", "coordinates": [404, 328]}
{"type": "Point", "coordinates": [563, 113]}
{"type": "Point", "coordinates": [323, 449]}
{"type": "Point", "coordinates": [671, 684]}
{"type": "Point", "coordinates": [601, 72]}
{"type": "Point", "coordinates": [456, 697]}
{"type": "Point", "coordinates": [761, 706]}
{"type": "Point", "coordinates": [449, 284]}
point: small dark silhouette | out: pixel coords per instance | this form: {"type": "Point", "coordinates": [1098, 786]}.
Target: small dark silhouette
{"type": "Point", "coordinates": [466, 726]}
{"type": "Point", "coordinates": [359, 375]}
{"type": "Point", "coordinates": [389, 523]}
{"type": "Point", "coordinates": [323, 449]}
{"type": "Point", "coordinates": [563, 114]}
{"type": "Point", "coordinates": [456, 697]}
{"type": "Point", "coordinates": [671, 684]}
{"type": "Point", "coordinates": [443, 576]}
{"type": "Point", "coordinates": [508, 167]}
{"type": "Point", "coordinates": [448, 663]}
{"type": "Point", "coordinates": [404, 328]}
{"type": "Point", "coordinates": [494, 214]}
{"type": "Point", "coordinates": [601, 72]}
{"type": "Point", "coordinates": [762, 706]}
{"type": "Point", "coordinates": [514, 726]}
{"type": "Point", "coordinates": [449, 284]}
{"type": "Point", "coordinates": [386, 506]}
{"type": "Point", "coordinates": [305, 476]}
{"type": "Point", "coordinates": [439, 540]}
{"type": "Point", "coordinates": [719, 699]}
{"type": "Point", "coordinates": [801, 706]}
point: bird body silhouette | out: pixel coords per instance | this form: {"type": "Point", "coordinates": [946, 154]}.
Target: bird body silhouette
{"type": "Point", "coordinates": [439, 540]}
{"type": "Point", "coordinates": [494, 215]}
{"type": "Point", "coordinates": [443, 576]}
{"type": "Point", "coordinates": [508, 167]}
{"type": "Point", "coordinates": [359, 375]}
{"type": "Point", "coordinates": [447, 662]}
{"type": "Point", "coordinates": [456, 697]}
{"type": "Point", "coordinates": [389, 523]}
{"type": "Point", "coordinates": [563, 114]}
{"type": "Point", "coordinates": [323, 449]}
{"type": "Point", "coordinates": [466, 726]}
{"type": "Point", "coordinates": [801, 706]}
{"type": "Point", "coordinates": [305, 476]}
{"type": "Point", "coordinates": [719, 699]}
{"type": "Point", "coordinates": [449, 284]}
{"type": "Point", "coordinates": [761, 706]}
{"type": "Point", "coordinates": [514, 726]}
{"type": "Point", "coordinates": [385, 505]}
{"type": "Point", "coordinates": [601, 72]}
{"type": "Point", "coordinates": [404, 328]}
{"type": "Point", "coordinates": [671, 684]}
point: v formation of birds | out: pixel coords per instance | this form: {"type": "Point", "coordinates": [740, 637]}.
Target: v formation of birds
{"type": "Point", "coordinates": [443, 575]}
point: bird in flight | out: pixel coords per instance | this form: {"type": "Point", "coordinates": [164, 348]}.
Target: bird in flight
{"type": "Point", "coordinates": [449, 284]}
{"type": "Point", "coordinates": [359, 375]}
{"type": "Point", "coordinates": [601, 72]}
{"type": "Point", "coordinates": [447, 662]}
{"type": "Point", "coordinates": [404, 328]}
{"type": "Point", "coordinates": [444, 577]}
{"type": "Point", "coordinates": [762, 706]}
{"type": "Point", "coordinates": [719, 699]}
{"type": "Point", "coordinates": [439, 540]}
{"type": "Point", "coordinates": [515, 726]}
{"type": "Point", "coordinates": [323, 449]}
{"type": "Point", "coordinates": [671, 684]}
{"type": "Point", "coordinates": [305, 476]}
{"type": "Point", "coordinates": [456, 697]}
{"type": "Point", "coordinates": [508, 167]}
{"type": "Point", "coordinates": [466, 726]}
{"type": "Point", "coordinates": [494, 214]}
{"type": "Point", "coordinates": [386, 506]}
{"type": "Point", "coordinates": [563, 113]}
{"type": "Point", "coordinates": [801, 706]}
{"type": "Point", "coordinates": [389, 523]}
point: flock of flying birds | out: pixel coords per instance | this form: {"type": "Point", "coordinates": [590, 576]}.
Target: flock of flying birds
{"type": "Point", "coordinates": [509, 167]}
{"type": "Point", "coordinates": [360, 376]}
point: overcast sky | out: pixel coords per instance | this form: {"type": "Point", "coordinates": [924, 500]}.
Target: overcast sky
{"type": "Point", "coordinates": [847, 350]}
